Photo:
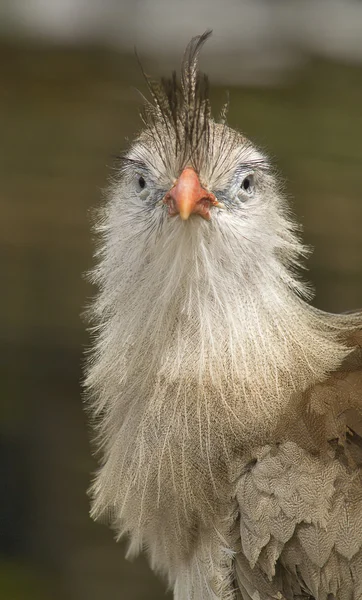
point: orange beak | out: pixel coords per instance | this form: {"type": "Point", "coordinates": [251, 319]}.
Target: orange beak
{"type": "Point", "coordinates": [188, 197]}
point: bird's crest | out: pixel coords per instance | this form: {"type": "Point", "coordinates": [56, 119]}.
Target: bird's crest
{"type": "Point", "coordinates": [182, 106]}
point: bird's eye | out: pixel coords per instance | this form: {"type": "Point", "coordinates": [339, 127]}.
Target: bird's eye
{"type": "Point", "coordinates": [141, 182]}
{"type": "Point", "coordinates": [247, 184]}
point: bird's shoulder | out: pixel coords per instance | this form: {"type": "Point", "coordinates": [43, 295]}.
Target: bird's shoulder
{"type": "Point", "coordinates": [334, 406]}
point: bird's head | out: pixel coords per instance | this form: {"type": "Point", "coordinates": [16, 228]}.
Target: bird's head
{"type": "Point", "coordinates": [189, 176]}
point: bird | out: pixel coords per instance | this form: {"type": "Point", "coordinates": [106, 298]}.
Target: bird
{"type": "Point", "coordinates": [226, 408]}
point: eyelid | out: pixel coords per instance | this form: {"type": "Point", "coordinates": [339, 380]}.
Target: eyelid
{"type": "Point", "coordinates": [244, 171]}
{"type": "Point", "coordinates": [249, 175]}
{"type": "Point", "coordinates": [252, 167]}
{"type": "Point", "coordinates": [135, 167]}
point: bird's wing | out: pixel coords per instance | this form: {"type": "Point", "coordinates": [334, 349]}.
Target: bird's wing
{"type": "Point", "coordinates": [300, 512]}
{"type": "Point", "coordinates": [300, 520]}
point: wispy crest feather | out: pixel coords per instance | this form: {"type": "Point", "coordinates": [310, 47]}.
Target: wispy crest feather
{"type": "Point", "coordinates": [182, 107]}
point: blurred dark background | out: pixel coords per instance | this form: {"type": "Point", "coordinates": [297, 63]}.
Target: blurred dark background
{"type": "Point", "coordinates": [67, 104]}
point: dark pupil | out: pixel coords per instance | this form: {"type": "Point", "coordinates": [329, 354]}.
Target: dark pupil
{"type": "Point", "coordinates": [246, 183]}
{"type": "Point", "coordinates": [141, 182]}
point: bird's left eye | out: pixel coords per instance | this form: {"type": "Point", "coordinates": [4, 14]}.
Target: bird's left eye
{"type": "Point", "coordinates": [141, 182]}
{"type": "Point", "coordinates": [247, 185]}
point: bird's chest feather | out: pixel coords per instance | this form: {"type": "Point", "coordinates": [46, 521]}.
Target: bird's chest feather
{"type": "Point", "coordinates": [178, 471]}
{"type": "Point", "coordinates": [179, 501]}
{"type": "Point", "coordinates": [177, 442]}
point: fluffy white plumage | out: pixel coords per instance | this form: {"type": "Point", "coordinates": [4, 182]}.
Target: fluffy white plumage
{"type": "Point", "coordinates": [209, 372]}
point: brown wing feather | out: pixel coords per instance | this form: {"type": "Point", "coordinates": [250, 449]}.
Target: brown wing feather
{"type": "Point", "coordinates": [300, 526]}
{"type": "Point", "coordinates": [300, 505]}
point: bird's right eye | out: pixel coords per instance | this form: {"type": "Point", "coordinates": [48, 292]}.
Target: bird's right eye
{"type": "Point", "coordinates": [141, 182]}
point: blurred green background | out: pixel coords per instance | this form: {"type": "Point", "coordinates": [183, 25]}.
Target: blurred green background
{"type": "Point", "coordinates": [64, 112]}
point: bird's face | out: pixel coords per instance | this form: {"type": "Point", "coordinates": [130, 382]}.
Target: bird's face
{"type": "Point", "coordinates": [224, 185]}
{"type": "Point", "coordinates": [227, 175]}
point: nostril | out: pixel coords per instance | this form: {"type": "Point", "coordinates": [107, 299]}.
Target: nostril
{"type": "Point", "coordinates": [170, 202]}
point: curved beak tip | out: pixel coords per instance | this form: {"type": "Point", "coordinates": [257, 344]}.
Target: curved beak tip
{"type": "Point", "coordinates": [184, 214]}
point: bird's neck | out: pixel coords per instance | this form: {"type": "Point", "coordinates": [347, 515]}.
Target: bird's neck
{"type": "Point", "coordinates": [242, 343]}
